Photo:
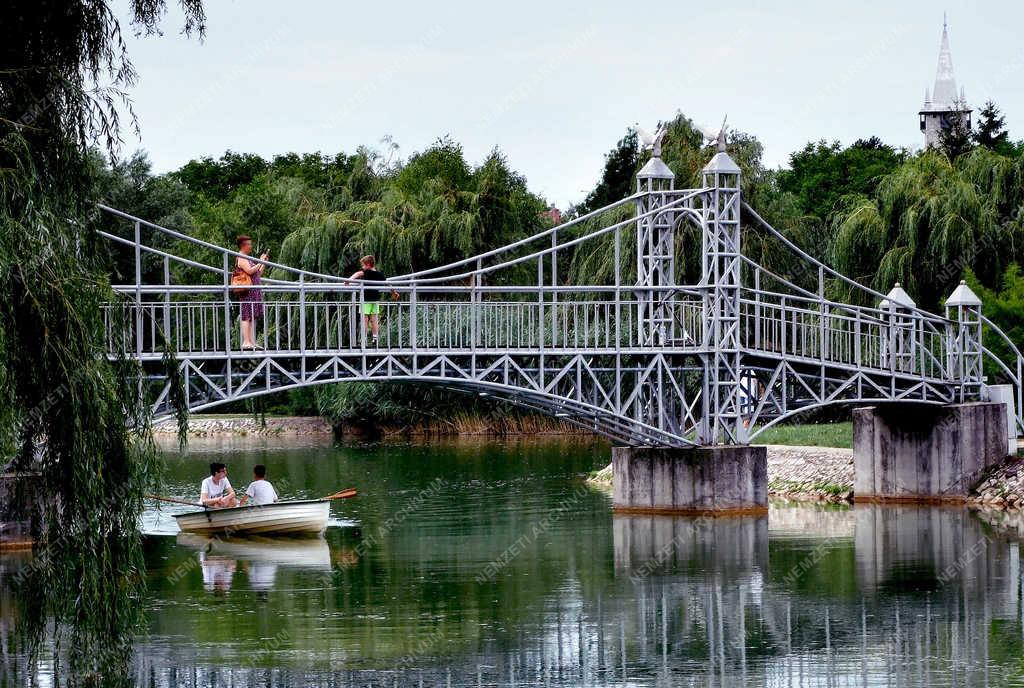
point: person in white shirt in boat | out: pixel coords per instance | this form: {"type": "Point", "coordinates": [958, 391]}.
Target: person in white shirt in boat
{"type": "Point", "coordinates": [260, 489]}
{"type": "Point", "coordinates": [216, 490]}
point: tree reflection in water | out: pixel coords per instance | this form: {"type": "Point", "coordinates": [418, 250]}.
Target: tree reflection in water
{"type": "Point", "coordinates": [809, 595]}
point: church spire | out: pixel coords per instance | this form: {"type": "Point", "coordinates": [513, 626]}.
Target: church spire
{"type": "Point", "coordinates": [944, 104]}
{"type": "Point", "coordinates": [944, 94]}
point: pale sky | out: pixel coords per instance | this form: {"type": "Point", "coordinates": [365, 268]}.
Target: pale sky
{"type": "Point", "coordinates": [555, 85]}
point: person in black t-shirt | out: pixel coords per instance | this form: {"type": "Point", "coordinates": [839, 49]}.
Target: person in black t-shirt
{"type": "Point", "coordinates": [371, 304]}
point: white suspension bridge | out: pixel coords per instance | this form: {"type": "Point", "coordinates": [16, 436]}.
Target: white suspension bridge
{"type": "Point", "coordinates": [645, 360]}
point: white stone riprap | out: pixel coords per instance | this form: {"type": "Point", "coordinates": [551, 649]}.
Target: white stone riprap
{"type": "Point", "coordinates": [222, 426]}
{"type": "Point", "coordinates": [820, 473]}
{"type": "Point", "coordinates": [1002, 487]}
{"type": "Point", "coordinates": [1006, 519]}
{"type": "Point", "coordinates": [602, 477]}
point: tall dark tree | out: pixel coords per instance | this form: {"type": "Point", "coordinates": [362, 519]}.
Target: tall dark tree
{"type": "Point", "coordinates": [617, 178]}
{"type": "Point", "coordinates": [991, 132]}
{"type": "Point", "coordinates": [956, 138]}
{"type": "Point", "coordinates": [66, 412]}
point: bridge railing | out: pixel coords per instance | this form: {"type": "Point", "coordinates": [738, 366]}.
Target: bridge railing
{"type": "Point", "coordinates": [801, 328]}
{"type": "Point", "coordinates": [791, 316]}
{"type": "Point", "coordinates": [1008, 367]}
{"type": "Point", "coordinates": [305, 318]}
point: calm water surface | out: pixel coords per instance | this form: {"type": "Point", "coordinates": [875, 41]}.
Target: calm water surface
{"type": "Point", "coordinates": [487, 563]}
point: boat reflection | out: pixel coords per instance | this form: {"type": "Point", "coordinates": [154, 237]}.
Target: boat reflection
{"type": "Point", "coordinates": [258, 558]}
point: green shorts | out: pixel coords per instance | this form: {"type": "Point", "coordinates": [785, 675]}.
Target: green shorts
{"type": "Point", "coordinates": [371, 308]}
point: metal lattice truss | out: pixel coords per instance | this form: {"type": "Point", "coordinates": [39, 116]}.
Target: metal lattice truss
{"type": "Point", "coordinates": [644, 360]}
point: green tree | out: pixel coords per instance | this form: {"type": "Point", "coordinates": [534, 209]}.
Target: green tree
{"type": "Point", "coordinates": [929, 221]}
{"type": "Point", "coordinates": [442, 164]}
{"type": "Point", "coordinates": [327, 173]}
{"type": "Point", "coordinates": [130, 186]}
{"type": "Point", "coordinates": [217, 179]}
{"type": "Point", "coordinates": [66, 411]}
{"type": "Point", "coordinates": [991, 132]}
{"type": "Point", "coordinates": [1004, 306]}
{"type": "Point", "coordinates": [433, 210]}
{"type": "Point", "coordinates": [821, 173]}
{"type": "Point", "coordinates": [618, 177]}
{"type": "Point", "coordinates": [956, 138]}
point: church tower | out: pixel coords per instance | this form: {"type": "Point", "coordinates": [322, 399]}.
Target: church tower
{"type": "Point", "coordinates": [943, 105]}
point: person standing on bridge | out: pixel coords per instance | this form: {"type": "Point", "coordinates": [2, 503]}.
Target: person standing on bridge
{"type": "Point", "coordinates": [371, 295]}
{"type": "Point", "coordinates": [252, 298]}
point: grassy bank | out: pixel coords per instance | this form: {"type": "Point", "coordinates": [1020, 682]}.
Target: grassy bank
{"type": "Point", "coordinates": [814, 435]}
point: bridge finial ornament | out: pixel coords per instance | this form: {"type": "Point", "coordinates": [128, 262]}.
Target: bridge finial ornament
{"type": "Point", "coordinates": [720, 139]}
{"type": "Point", "coordinates": [963, 296]}
{"type": "Point", "coordinates": [897, 298]}
{"type": "Point", "coordinates": [715, 137]}
{"type": "Point", "coordinates": [655, 168]}
{"type": "Point", "coordinates": [652, 142]}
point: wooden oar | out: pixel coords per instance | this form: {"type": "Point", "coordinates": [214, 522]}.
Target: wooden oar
{"type": "Point", "coordinates": [177, 501]}
{"type": "Point", "coordinates": [344, 494]}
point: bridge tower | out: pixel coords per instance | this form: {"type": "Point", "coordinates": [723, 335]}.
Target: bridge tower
{"type": "Point", "coordinates": [963, 308]}
{"type": "Point", "coordinates": [655, 404]}
{"type": "Point", "coordinates": [722, 421]}
{"type": "Point", "coordinates": [711, 477]}
{"type": "Point", "coordinates": [655, 252]}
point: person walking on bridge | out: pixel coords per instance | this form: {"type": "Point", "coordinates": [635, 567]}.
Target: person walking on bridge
{"type": "Point", "coordinates": [371, 295]}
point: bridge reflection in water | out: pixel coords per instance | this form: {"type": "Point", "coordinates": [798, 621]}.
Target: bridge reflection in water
{"type": "Point", "coordinates": [873, 595]}
{"type": "Point", "coordinates": [886, 596]}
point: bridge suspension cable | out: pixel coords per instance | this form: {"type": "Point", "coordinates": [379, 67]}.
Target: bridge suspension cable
{"type": "Point", "coordinates": [645, 359]}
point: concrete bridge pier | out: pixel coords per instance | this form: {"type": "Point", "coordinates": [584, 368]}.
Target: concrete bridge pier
{"type": "Point", "coordinates": [696, 480]}
{"type": "Point", "coordinates": [921, 453]}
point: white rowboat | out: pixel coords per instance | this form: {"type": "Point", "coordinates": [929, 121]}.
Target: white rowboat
{"type": "Point", "coordinates": [306, 517]}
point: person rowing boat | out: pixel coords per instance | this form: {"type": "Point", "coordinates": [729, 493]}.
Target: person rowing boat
{"type": "Point", "coordinates": [216, 490]}
{"type": "Point", "coordinates": [278, 517]}
{"type": "Point", "coordinates": [260, 490]}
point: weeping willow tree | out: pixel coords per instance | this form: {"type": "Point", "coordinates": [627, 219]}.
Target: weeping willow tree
{"type": "Point", "coordinates": [434, 209]}
{"type": "Point", "coordinates": [65, 410]}
{"type": "Point", "coordinates": [930, 221]}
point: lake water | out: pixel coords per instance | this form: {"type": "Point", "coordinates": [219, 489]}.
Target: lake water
{"type": "Point", "coordinates": [492, 563]}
